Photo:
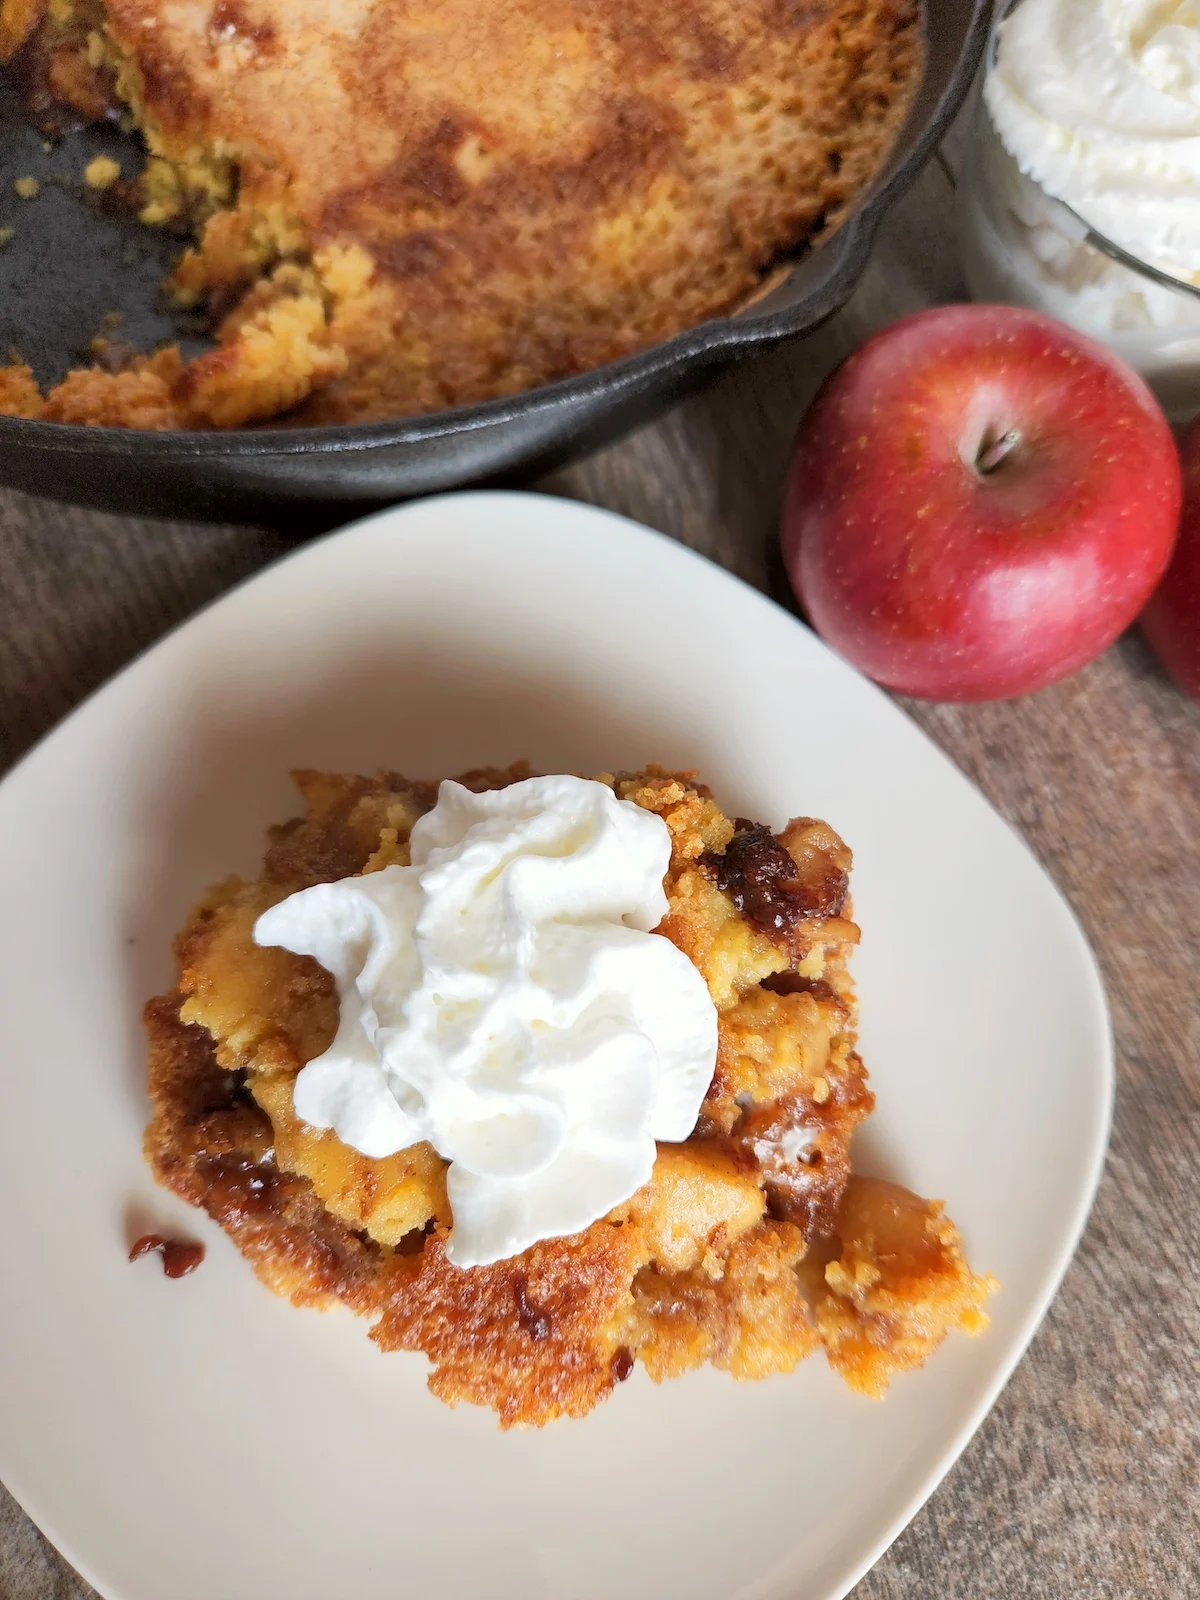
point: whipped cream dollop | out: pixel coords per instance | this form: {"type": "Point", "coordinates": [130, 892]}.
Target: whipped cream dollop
{"type": "Point", "coordinates": [1099, 102]}
{"type": "Point", "coordinates": [505, 999]}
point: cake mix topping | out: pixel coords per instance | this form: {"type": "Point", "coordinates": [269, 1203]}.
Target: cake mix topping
{"type": "Point", "coordinates": [505, 999]}
{"type": "Point", "coordinates": [1099, 102]}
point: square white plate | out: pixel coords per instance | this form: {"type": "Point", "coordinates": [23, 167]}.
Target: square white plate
{"type": "Point", "coordinates": [200, 1438]}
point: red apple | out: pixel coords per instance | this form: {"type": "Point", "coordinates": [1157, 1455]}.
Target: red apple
{"type": "Point", "coordinates": [980, 501]}
{"type": "Point", "coordinates": [1171, 621]}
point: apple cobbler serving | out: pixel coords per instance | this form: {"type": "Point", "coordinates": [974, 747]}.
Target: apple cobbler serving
{"type": "Point", "coordinates": [547, 1077]}
{"type": "Point", "coordinates": [398, 206]}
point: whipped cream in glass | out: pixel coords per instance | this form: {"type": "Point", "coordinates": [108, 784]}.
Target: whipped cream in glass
{"type": "Point", "coordinates": [1098, 101]}
{"type": "Point", "coordinates": [505, 998]}
{"type": "Point", "coordinates": [1081, 192]}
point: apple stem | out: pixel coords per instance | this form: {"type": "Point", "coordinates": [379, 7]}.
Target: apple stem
{"type": "Point", "coordinates": [991, 455]}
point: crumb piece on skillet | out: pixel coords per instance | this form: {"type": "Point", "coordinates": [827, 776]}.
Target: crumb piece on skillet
{"type": "Point", "coordinates": [101, 172]}
{"type": "Point", "coordinates": [19, 393]}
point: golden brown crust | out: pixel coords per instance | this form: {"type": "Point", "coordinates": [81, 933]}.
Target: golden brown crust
{"type": "Point", "coordinates": [536, 1337]}
{"type": "Point", "coordinates": [730, 1254]}
{"type": "Point", "coordinates": [139, 397]}
{"type": "Point", "coordinates": [409, 207]}
{"type": "Point", "coordinates": [19, 393]}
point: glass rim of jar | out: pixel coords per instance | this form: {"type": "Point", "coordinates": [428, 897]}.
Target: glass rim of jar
{"type": "Point", "coordinates": [1088, 234]}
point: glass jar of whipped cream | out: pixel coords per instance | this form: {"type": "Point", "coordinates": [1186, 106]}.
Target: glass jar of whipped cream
{"type": "Point", "coordinates": [1080, 192]}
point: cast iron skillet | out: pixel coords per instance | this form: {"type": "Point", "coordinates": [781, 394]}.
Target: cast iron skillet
{"type": "Point", "coordinates": [69, 264]}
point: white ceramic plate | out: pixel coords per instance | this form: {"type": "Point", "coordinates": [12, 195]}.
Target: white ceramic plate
{"type": "Point", "coordinates": [200, 1438]}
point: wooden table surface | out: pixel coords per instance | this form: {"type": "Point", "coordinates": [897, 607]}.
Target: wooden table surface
{"type": "Point", "coordinates": [1084, 1483]}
